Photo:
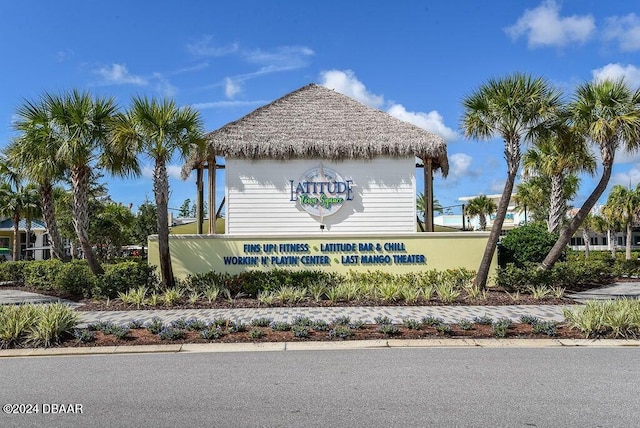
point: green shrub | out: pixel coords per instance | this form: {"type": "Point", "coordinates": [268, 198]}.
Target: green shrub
{"type": "Point", "coordinates": [38, 325]}
{"type": "Point", "coordinates": [13, 271]}
{"type": "Point", "coordinates": [76, 278]}
{"type": "Point", "coordinates": [42, 273]}
{"type": "Point", "coordinates": [526, 244]}
{"type": "Point", "coordinates": [121, 277]}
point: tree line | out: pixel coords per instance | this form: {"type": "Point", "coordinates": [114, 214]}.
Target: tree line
{"type": "Point", "coordinates": [519, 108]}
{"type": "Point", "coordinates": [72, 135]}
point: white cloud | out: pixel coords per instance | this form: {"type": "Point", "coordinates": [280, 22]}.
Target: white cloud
{"type": "Point", "coordinates": [231, 87]}
{"type": "Point", "coordinates": [431, 121]}
{"type": "Point", "coordinates": [64, 55]}
{"type": "Point", "coordinates": [631, 177]}
{"type": "Point", "coordinates": [289, 57]}
{"type": "Point", "coordinates": [117, 74]}
{"type": "Point", "coordinates": [348, 84]}
{"type": "Point", "coordinates": [629, 72]}
{"type": "Point", "coordinates": [205, 47]}
{"type": "Point", "coordinates": [163, 86]}
{"type": "Point", "coordinates": [460, 164]}
{"type": "Point", "coordinates": [543, 26]}
{"type": "Point", "coordinates": [173, 171]}
{"type": "Point", "coordinates": [625, 30]}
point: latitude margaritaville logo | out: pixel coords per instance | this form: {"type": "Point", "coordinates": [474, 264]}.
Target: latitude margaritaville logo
{"type": "Point", "coordinates": [321, 191]}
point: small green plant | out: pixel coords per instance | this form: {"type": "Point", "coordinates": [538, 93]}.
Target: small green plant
{"type": "Point", "coordinates": [170, 333]}
{"type": "Point", "coordinates": [155, 325]}
{"type": "Point", "coordinates": [237, 327]}
{"type": "Point", "coordinates": [545, 327]}
{"type": "Point", "coordinates": [340, 332]}
{"type": "Point", "coordinates": [153, 300]}
{"type": "Point", "coordinates": [540, 292]}
{"type": "Point", "coordinates": [220, 322]}
{"type": "Point", "coordinates": [500, 327]}
{"type": "Point", "coordinates": [120, 331]}
{"type": "Point", "coordinates": [180, 323]}
{"type": "Point", "coordinates": [301, 331]}
{"type": "Point", "coordinates": [261, 322]}
{"type": "Point", "coordinates": [255, 333]}
{"type": "Point", "coordinates": [194, 296]}
{"type": "Point", "coordinates": [389, 329]}
{"type": "Point", "coordinates": [280, 326]}
{"type": "Point", "coordinates": [431, 321]}
{"type": "Point", "coordinates": [212, 333]}
{"type": "Point", "coordinates": [134, 297]}
{"type": "Point", "coordinates": [447, 292]}
{"type": "Point", "coordinates": [84, 335]}
{"type": "Point", "coordinates": [356, 324]}
{"type": "Point", "coordinates": [443, 329]}
{"type": "Point", "coordinates": [135, 324]}
{"type": "Point", "coordinates": [483, 320]}
{"type": "Point", "coordinates": [411, 324]}
{"type": "Point", "coordinates": [473, 291]}
{"type": "Point", "coordinates": [382, 319]}
{"type": "Point", "coordinates": [303, 321]}
{"type": "Point", "coordinates": [195, 324]}
{"type": "Point", "coordinates": [465, 324]}
{"type": "Point", "coordinates": [171, 296]}
{"type": "Point", "coordinates": [529, 319]}
{"type": "Point", "coordinates": [411, 294]}
{"type": "Point", "coordinates": [320, 325]}
{"type": "Point", "coordinates": [266, 297]}
{"type": "Point", "coordinates": [52, 323]}
{"type": "Point", "coordinates": [516, 297]}
{"type": "Point", "coordinates": [342, 320]}
{"type": "Point", "coordinates": [317, 291]}
{"type": "Point", "coordinates": [211, 293]}
{"type": "Point", "coordinates": [558, 292]}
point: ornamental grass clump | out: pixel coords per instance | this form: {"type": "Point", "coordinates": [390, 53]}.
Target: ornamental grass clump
{"type": "Point", "coordinates": [619, 318]}
{"type": "Point", "coordinates": [134, 297]}
{"type": "Point", "coordinates": [52, 323]}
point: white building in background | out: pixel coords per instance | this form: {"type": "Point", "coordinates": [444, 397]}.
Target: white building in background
{"type": "Point", "coordinates": [512, 219]}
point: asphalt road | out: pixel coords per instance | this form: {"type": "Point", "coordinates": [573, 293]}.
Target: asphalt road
{"type": "Point", "coordinates": [558, 387]}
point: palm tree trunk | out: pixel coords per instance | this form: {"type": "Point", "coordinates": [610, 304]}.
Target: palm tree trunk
{"type": "Point", "coordinates": [567, 233]}
{"type": "Point", "coordinates": [483, 222]}
{"type": "Point", "coordinates": [48, 212]}
{"type": "Point", "coordinates": [490, 249]}
{"type": "Point", "coordinates": [16, 236]}
{"type": "Point", "coordinates": [557, 208]}
{"type": "Point", "coordinates": [27, 230]}
{"type": "Point", "coordinates": [80, 180]}
{"type": "Point", "coordinates": [629, 239]}
{"type": "Point", "coordinates": [161, 190]}
{"type": "Point", "coordinates": [586, 238]}
{"type": "Point", "coordinates": [612, 245]}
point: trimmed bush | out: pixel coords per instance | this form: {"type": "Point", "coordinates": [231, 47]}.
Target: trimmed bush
{"type": "Point", "coordinates": [121, 277]}
{"type": "Point", "coordinates": [526, 244]}
{"type": "Point", "coordinates": [42, 274]}
{"type": "Point", "coordinates": [76, 278]}
{"type": "Point", "coordinates": [13, 271]}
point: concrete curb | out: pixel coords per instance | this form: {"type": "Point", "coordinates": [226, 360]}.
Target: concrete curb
{"type": "Point", "coordinates": [322, 346]}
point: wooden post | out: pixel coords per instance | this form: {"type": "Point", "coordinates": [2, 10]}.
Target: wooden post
{"type": "Point", "coordinates": [199, 198]}
{"type": "Point", "coordinates": [212, 195]}
{"type": "Point", "coordinates": [428, 194]}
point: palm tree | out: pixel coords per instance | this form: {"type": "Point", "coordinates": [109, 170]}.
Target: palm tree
{"type": "Point", "coordinates": [421, 206]}
{"type": "Point", "coordinates": [608, 113]}
{"type": "Point", "coordinates": [11, 199]}
{"type": "Point", "coordinates": [158, 129]}
{"type": "Point", "coordinates": [35, 152]}
{"type": "Point", "coordinates": [30, 209]}
{"type": "Point", "coordinates": [511, 108]}
{"type": "Point", "coordinates": [82, 123]}
{"type": "Point", "coordinates": [557, 156]}
{"type": "Point", "coordinates": [623, 205]}
{"type": "Point", "coordinates": [481, 206]}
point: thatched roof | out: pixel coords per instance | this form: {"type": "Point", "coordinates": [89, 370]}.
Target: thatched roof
{"type": "Point", "coordinates": [316, 122]}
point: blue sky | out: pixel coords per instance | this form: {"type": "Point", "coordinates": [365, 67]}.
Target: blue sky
{"type": "Point", "coordinates": [415, 59]}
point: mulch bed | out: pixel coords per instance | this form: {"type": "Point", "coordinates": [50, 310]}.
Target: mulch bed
{"type": "Point", "coordinates": [144, 337]}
